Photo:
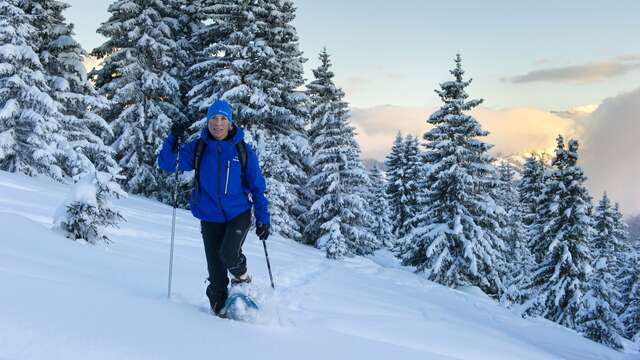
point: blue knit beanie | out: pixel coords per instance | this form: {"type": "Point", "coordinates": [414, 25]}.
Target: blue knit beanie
{"type": "Point", "coordinates": [220, 107]}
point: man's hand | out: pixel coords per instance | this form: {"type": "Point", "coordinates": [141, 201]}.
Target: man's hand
{"type": "Point", "coordinates": [177, 129]}
{"type": "Point", "coordinates": [262, 230]}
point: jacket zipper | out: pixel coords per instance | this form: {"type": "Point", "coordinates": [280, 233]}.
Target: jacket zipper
{"type": "Point", "coordinates": [219, 198]}
{"type": "Point", "coordinates": [226, 184]}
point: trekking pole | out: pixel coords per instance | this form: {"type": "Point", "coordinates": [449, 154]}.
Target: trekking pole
{"type": "Point", "coordinates": [266, 255]}
{"type": "Point", "coordinates": [173, 219]}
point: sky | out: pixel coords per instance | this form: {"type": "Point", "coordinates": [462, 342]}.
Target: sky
{"type": "Point", "coordinates": [542, 67]}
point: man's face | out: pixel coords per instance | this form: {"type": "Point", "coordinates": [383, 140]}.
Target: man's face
{"type": "Point", "coordinates": [219, 127]}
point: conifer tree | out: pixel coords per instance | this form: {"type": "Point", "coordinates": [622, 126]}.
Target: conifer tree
{"type": "Point", "coordinates": [339, 220]}
{"type": "Point", "coordinates": [627, 277]}
{"type": "Point", "coordinates": [622, 246]}
{"type": "Point", "coordinates": [381, 226]}
{"type": "Point", "coordinates": [395, 165]}
{"type": "Point", "coordinates": [30, 138]}
{"type": "Point", "coordinates": [609, 235]}
{"type": "Point", "coordinates": [87, 211]}
{"type": "Point", "coordinates": [83, 129]}
{"type": "Point", "coordinates": [141, 62]}
{"type": "Point", "coordinates": [519, 261]}
{"type": "Point", "coordinates": [630, 316]}
{"type": "Point", "coordinates": [456, 240]}
{"type": "Point", "coordinates": [559, 280]}
{"type": "Point", "coordinates": [405, 170]}
{"type": "Point", "coordinates": [412, 176]}
{"type": "Point", "coordinates": [530, 187]}
{"type": "Point", "coordinates": [546, 209]}
{"type": "Point", "coordinates": [598, 319]}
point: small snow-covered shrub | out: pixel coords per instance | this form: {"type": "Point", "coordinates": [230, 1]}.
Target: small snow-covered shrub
{"type": "Point", "coordinates": [87, 211]}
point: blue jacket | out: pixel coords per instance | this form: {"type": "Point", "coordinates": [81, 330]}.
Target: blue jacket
{"type": "Point", "coordinates": [223, 195]}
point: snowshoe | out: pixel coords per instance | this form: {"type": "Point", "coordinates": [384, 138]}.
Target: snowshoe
{"type": "Point", "coordinates": [240, 305]}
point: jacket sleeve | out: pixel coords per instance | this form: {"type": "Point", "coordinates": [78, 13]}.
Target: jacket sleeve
{"type": "Point", "coordinates": [257, 187]}
{"type": "Point", "coordinates": [167, 156]}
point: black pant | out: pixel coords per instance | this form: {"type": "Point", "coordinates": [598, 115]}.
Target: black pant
{"type": "Point", "coordinates": [223, 249]}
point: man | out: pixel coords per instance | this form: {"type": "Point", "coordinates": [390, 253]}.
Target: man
{"type": "Point", "coordinates": [220, 195]}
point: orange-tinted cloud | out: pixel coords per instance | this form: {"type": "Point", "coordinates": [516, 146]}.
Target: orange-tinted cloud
{"type": "Point", "coordinates": [512, 131]}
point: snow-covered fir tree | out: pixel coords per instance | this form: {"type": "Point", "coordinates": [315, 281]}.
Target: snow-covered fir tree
{"type": "Point", "coordinates": [226, 58]}
{"type": "Point", "coordinates": [518, 260]}
{"type": "Point", "coordinates": [628, 277]}
{"type": "Point", "coordinates": [339, 220]}
{"type": "Point", "coordinates": [413, 174]}
{"type": "Point", "coordinates": [291, 113]}
{"type": "Point", "coordinates": [456, 241]}
{"type": "Point", "coordinates": [381, 226]}
{"type": "Point", "coordinates": [530, 187]}
{"type": "Point", "coordinates": [609, 235]}
{"type": "Point", "coordinates": [30, 138]}
{"type": "Point", "coordinates": [633, 229]}
{"type": "Point", "coordinates": [545, 204]}
{"type": "Point", "coordinates": [559, 280]}
{"type": "Point", "coordinates": [405, 170]}
{"type": "Point", "coordinates": [630, 280]}
{"type": "Point", "coordinates": [88, 211]}
{"type": "Point", "coordinates": [83, 129]}
{"type": "Point", "coordinates": [250, 57]}
{"type": "Point", "coordinates": [394, 164]}
{"type": "Point", "coordinates": [190, 17]}
{"type": "Point", "coordinates": [598, 319]}
{"type": "Point", "coordinates": [621, 233]}
{"type": "Point", "coordinates": [141, 62]}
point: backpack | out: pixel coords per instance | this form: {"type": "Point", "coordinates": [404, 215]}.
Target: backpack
{"type": "Point", "coordinates": [242, 156]}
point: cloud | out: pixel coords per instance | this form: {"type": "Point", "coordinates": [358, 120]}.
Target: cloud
{"type": "Point", "coordinates": [585, 73]}
{"type": "Point", "coordinates": [577, 113]}
{"type": "Point", "coordinates": [523, 129]}
{"type": "Point", "coordinates": [377, 126]}
{"type": "Point", "coordinates": [629, 58]}
{"type": "Point", "coordinates": [513, 130]}
{"type": "Point", "coordinates": [610, 151]}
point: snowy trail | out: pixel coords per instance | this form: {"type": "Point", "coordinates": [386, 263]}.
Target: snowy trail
{"type": "Point", "coordinates": [65, 300]}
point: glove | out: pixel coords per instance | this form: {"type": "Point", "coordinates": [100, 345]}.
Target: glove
{"type": "Point", "coordinates": [262, 230]}
{"type": "Point", "coordinates": [177, 129]}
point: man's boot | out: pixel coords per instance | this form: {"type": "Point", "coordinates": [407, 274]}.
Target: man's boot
{"type": "Point", "coordinates": [217, 298]}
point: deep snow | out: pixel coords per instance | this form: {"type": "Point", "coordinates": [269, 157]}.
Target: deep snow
{"type": "Point", "coordinates": [61, 299]}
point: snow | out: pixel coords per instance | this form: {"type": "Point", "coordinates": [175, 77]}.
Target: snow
{"type": "Point", "coordinates": [67, 300]}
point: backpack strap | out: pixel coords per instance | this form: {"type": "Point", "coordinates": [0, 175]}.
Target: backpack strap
{"type": "Point", "coordinates": [242, 155]}
{"type": "Point", "coordinates": [196, 161]}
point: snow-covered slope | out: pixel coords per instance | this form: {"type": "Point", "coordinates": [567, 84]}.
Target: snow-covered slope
{"type": "Point", "coordinates": [66, 300]}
